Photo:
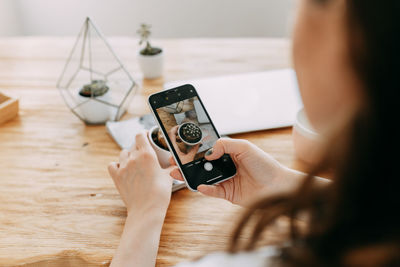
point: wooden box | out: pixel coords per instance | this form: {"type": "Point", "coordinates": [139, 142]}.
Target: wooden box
{"type": "Point", "coordinates": [8, 108]}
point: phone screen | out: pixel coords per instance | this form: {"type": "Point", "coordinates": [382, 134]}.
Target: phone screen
{"type": "Point", "coordinates": [189, 129]}
{"type": "Point", "coordinates": [190, 134]}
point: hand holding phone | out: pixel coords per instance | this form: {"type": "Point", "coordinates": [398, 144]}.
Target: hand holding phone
{"type": "Point", "coordinates": [257, 173]}
{"type": "Point", "coordinates": [190, 133]}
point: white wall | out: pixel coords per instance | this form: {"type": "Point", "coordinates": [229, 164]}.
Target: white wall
{"type": "Point", "coordinates": [9, 22]}
{"type": "Point", "coordinates": [170, 18]}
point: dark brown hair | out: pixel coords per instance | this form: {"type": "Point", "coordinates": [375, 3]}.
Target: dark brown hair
{"type": "Point", "coordinates": [354, 221]}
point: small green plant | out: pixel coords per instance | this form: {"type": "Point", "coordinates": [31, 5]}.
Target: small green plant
{"type": "Point", "coordinates": [94, 89]}
{"type": "Point", "coordinates": [144, 34]}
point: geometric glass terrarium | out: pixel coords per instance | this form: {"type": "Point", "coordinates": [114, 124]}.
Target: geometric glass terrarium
{"type": "Point", "coordinates": [94, 84]}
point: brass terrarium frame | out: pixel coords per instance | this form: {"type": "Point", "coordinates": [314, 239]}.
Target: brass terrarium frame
{"type": "Point", "coordinates": [92, 60]}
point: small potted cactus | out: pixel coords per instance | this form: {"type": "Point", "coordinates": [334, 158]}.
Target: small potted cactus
{"type": "Point", "coordinates": [150, 58]}
{"type": "Point", "coordinates": [190, 133]}
{"type": "Point", "coordinates": [96, 110]}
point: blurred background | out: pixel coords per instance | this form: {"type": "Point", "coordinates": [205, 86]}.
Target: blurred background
{"type": "Point", "coordinates": [169, 18]}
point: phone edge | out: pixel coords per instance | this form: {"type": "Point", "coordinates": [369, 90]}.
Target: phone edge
{"type": "Point", "coordinates": [169, 147]}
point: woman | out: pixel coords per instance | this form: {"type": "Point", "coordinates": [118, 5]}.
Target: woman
{"type": "Point", "coordinates": [347, 61]}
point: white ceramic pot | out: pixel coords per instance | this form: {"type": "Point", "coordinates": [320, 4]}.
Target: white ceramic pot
{"type": "Point", "coordinates": [307, 142]}
{"type": "Point", "coordinates": [152, 66]}
{"type": "Point", "coordinates": [162, 154]}
{"type": "Point", "coordinates": [95, 112]}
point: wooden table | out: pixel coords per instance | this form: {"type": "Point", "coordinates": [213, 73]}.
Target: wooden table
{"type": "Point", "coordinates": [58, 206]}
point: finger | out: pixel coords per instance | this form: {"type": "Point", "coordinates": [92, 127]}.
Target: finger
{"type": "Point", "coordinates": [193, 151]}
{"type": "Point", "coordinates": [142, 142]}
{"type": "Point", "coordinates": [174, 130]}
{"type": "Point", "coordinates": [169, 169]}
{"type": "Point", "coordinates": [172, 161]}
{"type": "Point", "coordinates": [123, 157]}
{"type": "Point", "coordinates": [212, 190]}
{"type": "Point", "coordinates": [113, 168]}
{"type": "Point", "coordinates": [176, 174]}
{"type": "Point", "coordinates": [227, 146]}
{"type": "Point", "coordinates": [172, 136]}
{"type": "Point", "coordinates": [173, 133]}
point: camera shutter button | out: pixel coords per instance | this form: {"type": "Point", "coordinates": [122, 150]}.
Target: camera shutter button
{"type": "Point", "coordinates": [208, 166]}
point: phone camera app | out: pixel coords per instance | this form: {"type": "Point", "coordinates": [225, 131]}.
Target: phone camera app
{"type": "Point", "coordinates": [189, 129]}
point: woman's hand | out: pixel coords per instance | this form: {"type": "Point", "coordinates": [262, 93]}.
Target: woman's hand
{"type": "Point", "coordinates": [257, 172]}
{"type": "Point", "coordinates": [145, 189]}
{"type": "Point", "coordinates": [143, 185]}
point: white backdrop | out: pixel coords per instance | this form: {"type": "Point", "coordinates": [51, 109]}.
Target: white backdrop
{"type": "Point", "coordinates": [170, 18]}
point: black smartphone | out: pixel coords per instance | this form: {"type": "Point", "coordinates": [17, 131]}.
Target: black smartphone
{"type": "Point", "coordinates": [189, 134]}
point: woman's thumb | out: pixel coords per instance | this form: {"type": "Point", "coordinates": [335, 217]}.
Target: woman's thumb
{"type": "Point", "coordinates": [113, 168]}
{"type": "Point", "coordinates": [226, 146]}
{"type": "Point", "coordinates": [212, 190]}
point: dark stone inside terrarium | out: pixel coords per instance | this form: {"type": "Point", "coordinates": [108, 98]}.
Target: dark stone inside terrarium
{"type": "Point", "coordinates": [190, 133]}
{"type": "Point", "coordinates": [96, 88]}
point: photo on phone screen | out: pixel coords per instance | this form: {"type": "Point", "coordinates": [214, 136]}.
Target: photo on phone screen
{"type": "Point", "coordinates": [189, 129]}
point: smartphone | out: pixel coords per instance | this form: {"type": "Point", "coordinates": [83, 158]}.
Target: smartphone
{"type": "Point", "coordinates": [189, 134]}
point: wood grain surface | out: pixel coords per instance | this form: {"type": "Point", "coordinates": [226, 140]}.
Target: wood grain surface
{"type": "Point", "coordinates": [8, 108]}
{"type": "Point", "coordinates": [58, 206]}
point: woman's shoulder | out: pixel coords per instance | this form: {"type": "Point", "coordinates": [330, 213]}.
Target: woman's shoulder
{"type": "Point", "coordinates": [259, 258]}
